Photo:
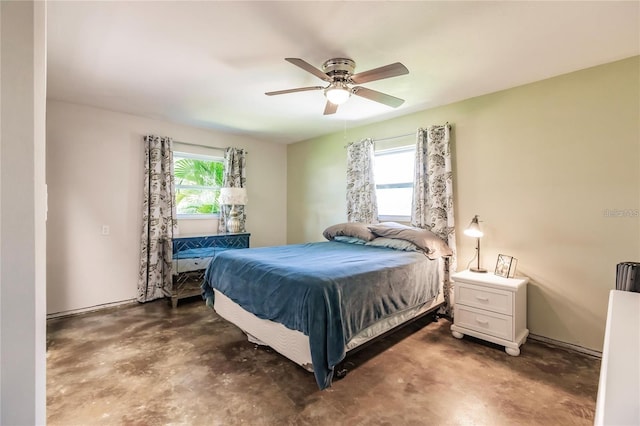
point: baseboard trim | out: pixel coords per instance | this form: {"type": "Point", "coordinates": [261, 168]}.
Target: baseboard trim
{"type": "Point", "coordinates": [73, 312]}
{"type": "Point", "coordinates": [565, 345]}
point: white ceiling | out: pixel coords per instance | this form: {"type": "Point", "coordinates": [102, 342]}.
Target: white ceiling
{"type": "Point", "coordinates": [208, 64]}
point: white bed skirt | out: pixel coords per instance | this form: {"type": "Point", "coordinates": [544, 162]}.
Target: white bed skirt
{"type": "Point", "coordinates": [290, 343]}
{"type": "Point", "coordinates": [294, 344]}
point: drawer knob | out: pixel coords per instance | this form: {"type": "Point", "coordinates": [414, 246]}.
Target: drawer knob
{"type": "Point", "coordinates": [484, 299]}
{"type": "Point", "coordinates": [481, 321]}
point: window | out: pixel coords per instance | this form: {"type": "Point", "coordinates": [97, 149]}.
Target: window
{"type": "Point", "coordinates": [198, 179]}
{"type": "Point", "coordinates": [393, 170]}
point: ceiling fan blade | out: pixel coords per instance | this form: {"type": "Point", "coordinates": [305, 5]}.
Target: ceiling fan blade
{"type": "Point", "coordinates": [387, 71]}
{"type": "Point", "coordinates": [330, 108]}
{"type": "Point", "coordinates": [376, 96]}
{"type": "Point", "coordinates": [309, 68]}
{"type": "Point", "coordinates": [299, 89]}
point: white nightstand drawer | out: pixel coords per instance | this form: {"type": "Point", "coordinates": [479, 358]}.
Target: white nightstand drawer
{"type": "Point", "coordinates": [491, 323]}
{"type": "Point", "coordinates": [491, 299]}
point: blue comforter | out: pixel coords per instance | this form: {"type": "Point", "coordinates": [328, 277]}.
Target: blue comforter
{"type": "Point", "coordinates": [329, 290]}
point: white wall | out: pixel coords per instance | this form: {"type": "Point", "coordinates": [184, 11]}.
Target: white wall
{"type": "Point", "coordinates": [22, 217]}
{"type": "Point", "coordinates": [95, 173]}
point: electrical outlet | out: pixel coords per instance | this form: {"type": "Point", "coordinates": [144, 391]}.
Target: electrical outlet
{"type": "Point", "coordinates": [105, 229]}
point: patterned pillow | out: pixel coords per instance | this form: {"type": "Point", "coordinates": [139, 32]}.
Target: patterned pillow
{"type": "Point", "coordinates": [433, 245]}
{"type": "Point", "coordinates": [349, 229]}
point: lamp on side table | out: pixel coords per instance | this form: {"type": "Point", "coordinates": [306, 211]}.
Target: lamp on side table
{"type": "Point", "coordinates": [233, 197]}
{"type": "Point", "coordinates": [473, 230]}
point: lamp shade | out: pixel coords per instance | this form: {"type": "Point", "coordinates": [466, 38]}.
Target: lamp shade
{"type": "Point", "coordinates": [233, 196]}
{"type": "Point", "coordinates": [473, 230]}
{"type": "Point", "coordinates": [337, 93]}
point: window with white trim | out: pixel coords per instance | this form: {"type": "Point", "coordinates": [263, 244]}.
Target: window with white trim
{"type": "Point", "coordinates": [393, 170]}
{"type": "Point", "coordinates": [198, 179]}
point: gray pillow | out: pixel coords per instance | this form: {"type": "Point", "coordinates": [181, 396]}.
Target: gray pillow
{"type": "Point", "coordinates": [393, 243]}
{"type": "Point", "coordinates": [349, 229]}
{"type": "Point", "coordinates": [350, 240]}
{"type": "Point", "coordinates": [433, 245]}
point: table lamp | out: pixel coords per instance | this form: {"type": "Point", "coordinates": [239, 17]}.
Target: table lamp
{"type": "Point", "coordinates": [233, 197]}
{"type": "Point", "coordinates": [473, 230]}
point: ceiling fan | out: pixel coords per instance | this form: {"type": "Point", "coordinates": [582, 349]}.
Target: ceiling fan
{"type": "Point", "coordinates": [338, 72]}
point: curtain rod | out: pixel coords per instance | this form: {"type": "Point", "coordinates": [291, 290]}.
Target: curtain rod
{"type": "Point", "coordinates": [394, 137]}
{"type": "Point", "coordinates": [198, 144]}
{"type": "Point", "coordinates": [204, 146]}
{"type": "Point", "coordinates": [402, 136]}
{"type": "Point", "coordinates": [405, 135]}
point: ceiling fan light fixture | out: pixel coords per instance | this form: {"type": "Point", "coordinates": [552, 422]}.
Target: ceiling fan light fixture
{"type": "Point", "coordinates": [339, 74]}
{"type": "Point", "coordinates": [337, 93]}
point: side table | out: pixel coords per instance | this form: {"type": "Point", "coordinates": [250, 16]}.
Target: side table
{"type": "Point", "coordinates": [491, 308]}
{"type": "Point", "coordinates": [191, 256]}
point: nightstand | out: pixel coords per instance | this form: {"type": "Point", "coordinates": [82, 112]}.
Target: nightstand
{"type": "Point", "coordinates": [191, 257]}
{"type": "Point", "coordinates": [491, 308]}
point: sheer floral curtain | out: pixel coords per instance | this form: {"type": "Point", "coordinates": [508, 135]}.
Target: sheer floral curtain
{"type": "Point", "coordinates": [159, 221]}
{"type": "Point", "coordinates": [235, 160]}
{"type": "Point", "coordinates": [432, 206]}
{"type": "Point", "coordinates": [362, 205]}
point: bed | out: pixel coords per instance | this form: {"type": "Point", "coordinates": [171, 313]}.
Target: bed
{"type": "Point", "coordinates": [315, 302]}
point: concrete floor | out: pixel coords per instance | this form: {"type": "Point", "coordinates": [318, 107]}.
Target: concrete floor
{"type": "Point", "coordinates": [151, 365]}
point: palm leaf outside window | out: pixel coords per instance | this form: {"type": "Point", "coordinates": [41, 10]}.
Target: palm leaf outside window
{"type": "Point", "coordinates": [197, 183]}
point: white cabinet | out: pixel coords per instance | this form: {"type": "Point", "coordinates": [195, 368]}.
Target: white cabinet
{"type": "Point", "coordinates": [618, 400]}
{"type": "Point", "coordinates": [491, 308]}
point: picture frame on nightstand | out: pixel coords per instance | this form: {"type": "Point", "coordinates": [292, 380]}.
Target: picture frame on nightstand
{"type": "Point", "coordinates": [506, 266]}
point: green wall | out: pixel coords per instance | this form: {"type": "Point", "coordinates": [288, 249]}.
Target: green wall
{"type": "Point", "coordinates": [541, 164]}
